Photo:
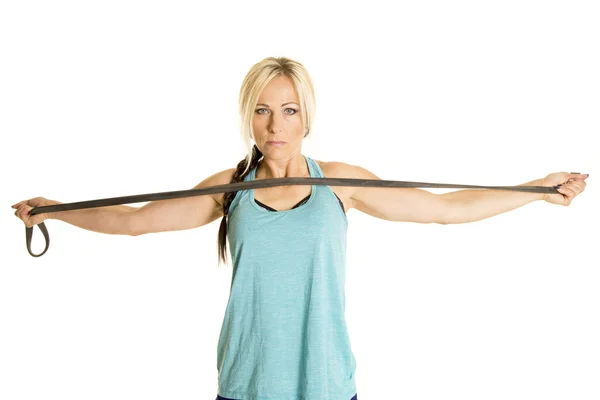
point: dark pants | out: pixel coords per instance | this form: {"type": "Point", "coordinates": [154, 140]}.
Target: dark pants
{"type": "Point", "coordinates": [225, 398]}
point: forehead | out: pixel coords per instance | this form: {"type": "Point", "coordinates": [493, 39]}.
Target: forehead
{"type": "Point", "coordinates": [280, 87]}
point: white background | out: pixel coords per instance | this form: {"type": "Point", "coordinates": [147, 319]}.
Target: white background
{"type": "Point", "coordinates": [116, 98]}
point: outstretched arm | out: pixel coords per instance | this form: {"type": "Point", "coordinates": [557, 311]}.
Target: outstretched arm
{"type": "Point", "coordinates": [461, 206]}
{"type": "Point", "coordinates": [474, 205]}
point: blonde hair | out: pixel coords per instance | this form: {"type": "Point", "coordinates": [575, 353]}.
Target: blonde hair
{"type": "Point", "coordinates": [256, 79]}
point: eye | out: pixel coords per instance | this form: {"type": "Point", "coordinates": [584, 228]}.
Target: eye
{"type": "Point", "coordinates": [293, 109]}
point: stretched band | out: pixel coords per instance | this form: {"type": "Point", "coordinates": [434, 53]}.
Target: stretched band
{"type": "Point", "coordinates": [255, 184]}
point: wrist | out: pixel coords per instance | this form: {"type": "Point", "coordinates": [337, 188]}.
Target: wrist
{"type": "Point", "coordinates": [53, 215]}
{"type": "Point", "coordinates": [543, 196]}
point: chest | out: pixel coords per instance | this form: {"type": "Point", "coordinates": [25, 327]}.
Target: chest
{"type": "Point", "coordinates": [318, 222]}
{"type": "Point", "coordinates": [283, 198]}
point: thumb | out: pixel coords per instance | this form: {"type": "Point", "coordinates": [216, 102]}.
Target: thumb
{"type": "Point", "coordinates": [37, 201]}
{"type": "Point", "coordinates": [32, 220]}
{"type": "Point", "coordinates": [557, 178]}
{"type": "Point", "coordinates": [23, 213]}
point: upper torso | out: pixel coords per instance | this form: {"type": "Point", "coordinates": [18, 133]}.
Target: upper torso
{"type": "Point", "coordinates": [283, 198]}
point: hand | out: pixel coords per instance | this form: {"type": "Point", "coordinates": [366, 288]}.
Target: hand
{"type": "Point", "coordinates": [23, 208]}
{"type": "Point", "coordinates": [570, 186]}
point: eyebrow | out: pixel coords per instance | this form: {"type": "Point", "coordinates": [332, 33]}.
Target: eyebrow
{"type": "Point", "coordinates": [289, 102]}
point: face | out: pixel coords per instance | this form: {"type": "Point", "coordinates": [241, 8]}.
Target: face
{"type": "Point", "coordinates": [277, 118]}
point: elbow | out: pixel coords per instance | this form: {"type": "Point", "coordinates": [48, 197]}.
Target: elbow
{"type": "Point", "coordinates": [445, 219]}
{"type": "Point", "coordinates": [439, 221]}
{"type": "Point", "coordinates": [131, 224]}
{"type": "Point", "coordinates": [446, 212]}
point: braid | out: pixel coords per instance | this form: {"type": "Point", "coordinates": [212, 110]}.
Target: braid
{"type": "Point", "coordinates": [228, 197]}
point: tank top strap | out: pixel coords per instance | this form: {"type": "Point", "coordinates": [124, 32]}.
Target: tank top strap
{"type": "Point", "coordinates": [315, 170]}
{"type": "Point", "coordinates": [243, 193]}
{"type": "Point", "coordinates": [251, 175]}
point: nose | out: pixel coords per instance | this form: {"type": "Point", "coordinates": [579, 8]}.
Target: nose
{"type": "Point", "coordinates": [275, 124]}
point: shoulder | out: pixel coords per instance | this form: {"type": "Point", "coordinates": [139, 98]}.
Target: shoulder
{"type": "Point", "coordinates": [338, 169]}
{"type": "Point", "coordinates": [334, 168]}
{"type": "Point", "coordinates": [220, 178]}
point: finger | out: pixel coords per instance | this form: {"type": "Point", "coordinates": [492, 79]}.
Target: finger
{"type": "Point", "coordinates": [577, 175]}
{"type": "Point", "coordinates": [565, 191]}
{"type": "Point", "coordinates": [572, 192]}
{"type": "Point", "coordinates": [20, 213]}
{"type": "Point", "coordinates": [24, 211]}
{"type": "Point", "coordinates": [568, 189]}
{"type": "Point", "coordinates": [577, 186]}
{"type": "Point", "coordinates": [27, 219]}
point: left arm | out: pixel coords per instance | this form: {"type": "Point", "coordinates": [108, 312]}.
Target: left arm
{"type": "Point", "coordinates": [477, 204]}
{"type": "Point", "coordinates": [417, 205]}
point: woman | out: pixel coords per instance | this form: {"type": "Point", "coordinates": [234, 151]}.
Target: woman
{"type": "Point", "coordinates": [284, 334]}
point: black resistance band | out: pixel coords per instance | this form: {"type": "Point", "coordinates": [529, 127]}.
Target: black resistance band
{"type": "Point", "coordinates": [255, 184]}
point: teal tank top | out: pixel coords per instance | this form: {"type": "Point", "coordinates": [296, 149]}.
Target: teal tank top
{"type": "Point", "coordinates": [284, 333]}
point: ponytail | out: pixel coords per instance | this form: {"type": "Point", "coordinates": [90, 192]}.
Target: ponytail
{"type": "Point", "coordinates": [241, 172]}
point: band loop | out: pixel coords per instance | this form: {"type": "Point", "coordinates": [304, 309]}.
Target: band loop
{"type": "Point", "coordinates": [29, 234]}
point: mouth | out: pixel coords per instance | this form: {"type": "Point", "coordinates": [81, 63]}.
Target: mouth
{"type": "Point", "coordinates": [274, 142]}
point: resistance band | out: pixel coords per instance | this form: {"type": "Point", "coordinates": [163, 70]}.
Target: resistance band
{"type": "Point", "coordinates": [255, 184]}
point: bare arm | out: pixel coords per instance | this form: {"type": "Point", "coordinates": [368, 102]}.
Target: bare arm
{"type": "Point", "coordinates": [112, 220]}
{"type": "Point", "coordinates": [392, 204]}
{"type": "Point", "coordinates": [156, 216]}
{"type": "Point", "coordinates": [474, 205]}
{"type": "Point", "coordinates": [417, 205]}
{"type": "Point", "coordinates": [180, 214]}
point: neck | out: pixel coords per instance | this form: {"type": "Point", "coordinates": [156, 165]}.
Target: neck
{"type": "Point", "coordinates": [294, 166]}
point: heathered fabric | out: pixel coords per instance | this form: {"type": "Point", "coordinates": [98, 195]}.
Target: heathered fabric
{"type": "Point", "coordinates": [284, 333]}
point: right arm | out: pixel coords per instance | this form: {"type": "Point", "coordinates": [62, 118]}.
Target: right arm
{"type": "Point", "coordinates": [180, 214]}
{"type": "Point", "coordinates": [156, 216]}
{"type": "Point", "coordinates": [112, 220]}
